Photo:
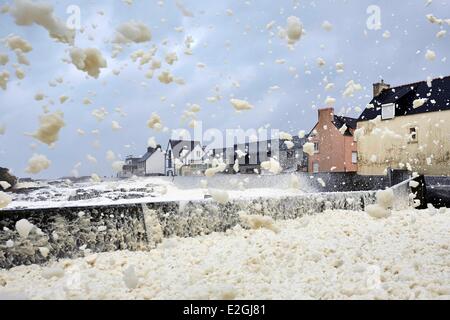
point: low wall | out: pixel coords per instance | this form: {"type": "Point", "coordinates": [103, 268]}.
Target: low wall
{"type": "Point", "coordinates": [72, 232]}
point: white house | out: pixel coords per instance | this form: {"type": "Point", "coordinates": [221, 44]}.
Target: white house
{"type": "Point", "coordinates": [184, 158]}
{"type": "Point", "coordinates": [150, 164]}
{"type": "Point", "coordinates": [154, 161]}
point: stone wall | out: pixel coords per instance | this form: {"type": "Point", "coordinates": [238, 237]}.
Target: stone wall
{"type": "Point", "coordinates": [79, 231]}
{"type": "Point", "coordinates": [74, 232]}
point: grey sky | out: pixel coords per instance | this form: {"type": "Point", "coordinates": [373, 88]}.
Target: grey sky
{"type": "Point", "coordinates": [250, 59]}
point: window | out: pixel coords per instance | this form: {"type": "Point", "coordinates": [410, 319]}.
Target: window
{"type": "Point", "coordinates": [387, 111]}
{"type": "Point", "coordinates": [198, 154]}
{"type": "Point", "coordinates": [354, 157]}
{"type": "Point", "coordinates": [413, 135]}
{"type": "Point", "coordinates": [315, 167]}
{"type": "Point", "coordinates": [316, 147]}
{"type": "Point", "coordinates": [290, 154]}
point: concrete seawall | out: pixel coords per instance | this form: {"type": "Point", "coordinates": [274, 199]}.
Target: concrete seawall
{"type": "Point", "coordinates": [72, 232]}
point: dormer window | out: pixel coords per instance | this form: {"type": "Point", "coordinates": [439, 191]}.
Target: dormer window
{"type": "Point", "coordinates": [387, 111]}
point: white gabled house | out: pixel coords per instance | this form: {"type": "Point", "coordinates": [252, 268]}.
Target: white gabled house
{"type": "Point", "coordinates": [184, 157]}
{"type": "Point", "coordinates": [150, 164]}
{"type": "Point", "coordinates": [154, 161]}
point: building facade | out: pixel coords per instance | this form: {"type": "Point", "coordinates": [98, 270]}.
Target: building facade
{"type": "Point", "coordinates": [184, 158]}
{"type": "Point", "coordinates": [150, 164]}
{"type": "Point", "coordinates": [334, 147]}
{"type": "Point", "coordinates": [406, 127]}
{"type": "Point", "coordinates": [250, 155]}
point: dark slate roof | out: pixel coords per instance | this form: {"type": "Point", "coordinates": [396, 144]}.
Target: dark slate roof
{"type": "Point", "coordinates": [403, 96]}
{"type": "Point", "coordinates": [149, 153]}
{"type": "Point", "coordinates": [179, 145]}
{"type": "Point", "coordinates": [298, 143]}
{"type": "Point", "coordinates": [183, 143]}
{"type": "Point", "coordinates": [339, 121]}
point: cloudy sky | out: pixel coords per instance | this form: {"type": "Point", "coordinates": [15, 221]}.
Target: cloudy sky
{"type": "Point", "coordinates": [232, 41]}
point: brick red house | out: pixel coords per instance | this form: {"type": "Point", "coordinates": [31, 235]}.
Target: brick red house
{"type": "Point", "coordinates": [334, 145]}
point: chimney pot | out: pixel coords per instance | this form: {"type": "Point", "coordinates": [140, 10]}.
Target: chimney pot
{"type": "Point", "coordinates": [379, 87]}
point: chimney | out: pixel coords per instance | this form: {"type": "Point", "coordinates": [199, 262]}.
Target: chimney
{"type": "Point", "coordinates": [326, 115]}
{"type": "Point", "coordinates": [379, 86]}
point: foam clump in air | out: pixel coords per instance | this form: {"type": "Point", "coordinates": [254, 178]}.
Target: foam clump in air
{"type": "Point", "coordinates": [91, 159]}
{"type": "Point", "coordinates": [258, 222]}
{"type": "Point", "coordinates": [272, 166]}
{"type": "Point", "coordinates": [294, 29]}
{"type": "Point", "coordinates": [171, 58]}
{"type": "Point", "coordinates": [5, 185]}
{"type": "Point", "coordinates": [99, 114]}
{"type": "Point", "coordinates": [110, 156]}
{"type": "Point", "coordinates": [330, 101]}
{"type": "Point", "coordinates": [385, 201]}
{"type": "Point", "coordinates": [117, 166]}
{"type": "Point", "coordinates": [327, 26]}
{"type": "Point", "coordinates": [132, 31]}
{"type": "Point", "coordinates": [17, 43]}
{"type": "Point", "coordinates": [350, 88]}
{"type": "Point", "coordinates": [221, 196]}
{"type": "Point", "coordinates": [89, 60]}
{"type": "Point", "coordinates": [5, 200]}
{"type": "Point", "coordinates": [24, 227]}
{"type": "Point", "coordinates": [4, 59]}
{"type": "Point", "coordinates": [151, 142]}
{"type": "Point", "coordinates": [38, 163]}
{"type": "Point", "coordinates": [216, 168]}
{"type": "Point", "coordinates": [417, 103]}
{"type": "Point", "coordinates": [116, 126]}
{"type": "Point", "coordinates": [155, 122]}
{"type": "Point", "coordinates": [289, 144]}
{"type": "Point", "coordinates": [95, 178]}
{"type": "Point", "coordinates": [241, 105]}
{"type": "Point", "coordinates": [340, 67]}
{"type": "Point", "coordinates": [430, 55]}
{"type": "Point", "coordinates": [39, 96]}
{"type": "Point", "coordinates": [165, 77]}
{"type": "Point", "coordinates": [343, 129]}
{"type": "Point", "coordinates": [50, 125]}
{"type": "Point", "coordinates": [4, 78]}
{"type": "Point", "coordinates": [27, 13]}
{"type": "Point", "coordinates": [285, 136]}
{"type": "Point", "coordinates": [63, 99]}
{"type": "Point", "coordinates": [236, 166]}
{"type": "Point", "coordinates": [308, 148]}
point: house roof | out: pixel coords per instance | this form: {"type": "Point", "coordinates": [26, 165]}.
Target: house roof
{"type": "Point", "coordinates": [183, 144]}
{"type": "Point", "coordinates": [149, 153]}
{"type": "Point", "coordinates": [339, 121]}
{"type": "Point", "coordinates": [178, 146]}
{"type": "Point", "coordinates": [403, 96]}
{"type": "Point", "coordinates": [298, 143]}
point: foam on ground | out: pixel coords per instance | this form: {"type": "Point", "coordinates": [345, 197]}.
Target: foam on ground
{"type": "Point", "coordinates": [335, 255]}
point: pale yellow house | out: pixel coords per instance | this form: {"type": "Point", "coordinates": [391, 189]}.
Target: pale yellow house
{"type": "Point", "coordinates": [406, 127]}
